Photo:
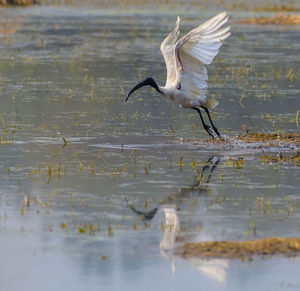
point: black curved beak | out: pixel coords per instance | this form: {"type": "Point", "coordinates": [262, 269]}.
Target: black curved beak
{"type": "Point", "coordinates": [147, 82]}
{"type": "Point", "coordinates": [138, 86]}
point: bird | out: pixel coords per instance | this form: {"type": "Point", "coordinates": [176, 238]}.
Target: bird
{"type": "Point", "coordinates": [185, 60]}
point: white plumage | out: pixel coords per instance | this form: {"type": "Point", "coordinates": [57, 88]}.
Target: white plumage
{"type": "Point", "coordinates": [185, 60]}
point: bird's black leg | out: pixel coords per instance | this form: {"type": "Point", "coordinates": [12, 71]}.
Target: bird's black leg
{"type": "Point", "coordinates": [213, 126]}
{"type": "Point", "coordinates": [205, 126]}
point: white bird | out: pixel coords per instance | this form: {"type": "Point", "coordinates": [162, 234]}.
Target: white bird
{"type": "Point", "coordinates": [185, 61]}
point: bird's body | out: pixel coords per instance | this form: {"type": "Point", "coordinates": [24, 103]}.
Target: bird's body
{"type": "Point", "coordinates": [185, 60]}
{"type": "Point", "coordinates": [182, 99]}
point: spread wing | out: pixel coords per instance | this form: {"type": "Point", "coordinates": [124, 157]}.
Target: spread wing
{"type": "Point", "coordinates": [168, 51]}
{"type": "Point", "coordinates": [195, 50]}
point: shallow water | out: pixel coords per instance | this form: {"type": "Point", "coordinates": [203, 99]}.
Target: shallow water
{"type": "Point", "coordinates": [70, 212]}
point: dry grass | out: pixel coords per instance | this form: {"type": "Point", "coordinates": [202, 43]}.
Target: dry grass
{"type": "Point", "coordinates": [276, 8]}
{"type": "Point", "coordinates": [17, 2]}
{"type": "Point", "coordinates": [281, 159]}
{"type": "Point", "coordinates": [242, 250]}
{"type": "Point", "coordinates": [279, 19]}
{"type": "Point", "coordinates": [271, 139]}
{"type": "Point", "coordinates": [259, 141]}
{"type": "Point", "coordinates": [9, 28]}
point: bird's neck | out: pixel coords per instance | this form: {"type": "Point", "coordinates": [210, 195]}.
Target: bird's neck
{"type": "Point", "coordinates": [165, 92]}
{"type": "Point", "coordinates": [162, 90]}
{"type": "Point", "coordinates": [153, 84]}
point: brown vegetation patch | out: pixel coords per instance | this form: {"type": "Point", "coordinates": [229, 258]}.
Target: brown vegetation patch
{"type": "Point", "coordinates": [205, 141]}
{"type": "Point", "coordinates": [289, 247]}
{"type": "Point", "coordinates": [276, 8]}
{"type": "Point", "coordinates": [281, 159]}
{"type": "Point", "coordinates": [264, 141]}
{"type": "Point", "coordinates": [17, 2]}
{"type": "Point", "coordinates": [271, 139]}
{"type": "Point", "coordinates": [8, 28]}
{"type": "Point", "coordinates": [283, 19]}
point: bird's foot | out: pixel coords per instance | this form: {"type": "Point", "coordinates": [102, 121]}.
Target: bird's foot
{"type": "Point", "coordinates": [208, 130]}
{"type": "Point", "coordinates": [217, 132]}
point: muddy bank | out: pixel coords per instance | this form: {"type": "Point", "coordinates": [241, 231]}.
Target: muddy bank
{"type": "Point", "coordinates": [17, 2]}
{"type": "Point", "coordinates": [279, 19]}
{"type": "Point", "coordinates": [271, 139]}
{"type": "Point", "coordinates": [289, 142]}
{"type": "Point", "coordinates": [288, 247]}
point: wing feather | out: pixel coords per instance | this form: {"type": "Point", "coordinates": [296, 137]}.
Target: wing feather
{"type": "Point", "coordinates": [195, 50]}
{"type": "Point", "coordinates": [168, 51]}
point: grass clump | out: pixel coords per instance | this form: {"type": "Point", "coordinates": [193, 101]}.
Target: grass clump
{"type": "Point", "coordinates": [281, 159]}
{"type": "Point", "coordinates": [276, 8]}
{"type": "Point", "coordinates": [289, 247]}
{"type": "Point", "coordinates": [271, 139]}
{"type": "Point", "coordinates": [279, 19]}
{"type": "Point", "coordinates": [17, 2]}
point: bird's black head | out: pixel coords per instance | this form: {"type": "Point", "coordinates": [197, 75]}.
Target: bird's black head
{"type": "Point", "coordinates": [147, 82]}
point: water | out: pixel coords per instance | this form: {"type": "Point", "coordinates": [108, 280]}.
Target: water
{"type": "Point", "coordinates": [79, 166]}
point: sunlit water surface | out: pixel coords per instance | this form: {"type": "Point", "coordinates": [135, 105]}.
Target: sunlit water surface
{"type": "Point", "coordinates": [87, 181]}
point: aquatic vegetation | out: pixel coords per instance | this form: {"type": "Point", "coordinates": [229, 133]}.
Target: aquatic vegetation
{"type": "Point", "coordinates": [271, 139]}
{"type": "Point", "coordinates": [17, 2]}
{"type": "Point", "coordinates": [276, 8]}
{"type": "Point", "coordinates": [258, 141]}
{"type": "Point", "coordinates": [8, 129]}
{"type": "Point", "coordinates": [281, 159]}
{"type": "Point", "coordinates": [86, 228]}
{"type": "Point", "coordinates": [243, 250]}
{"type": "Point", "coordinates": [235, 163]}
{"type": "Point", "coordinates": [280, 19]}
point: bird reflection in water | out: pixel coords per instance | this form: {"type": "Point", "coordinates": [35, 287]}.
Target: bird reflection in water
{"type": "Point", "coordinates": [172, 206]}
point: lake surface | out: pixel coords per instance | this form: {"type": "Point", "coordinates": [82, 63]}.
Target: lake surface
{"type": "Point", "coordinates": [87, 180]}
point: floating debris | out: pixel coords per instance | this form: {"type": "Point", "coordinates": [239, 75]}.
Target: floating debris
{"type": "Point", "coordinates": [279, 19]}
{"type": "Point", "coordinates": [289, 247]}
